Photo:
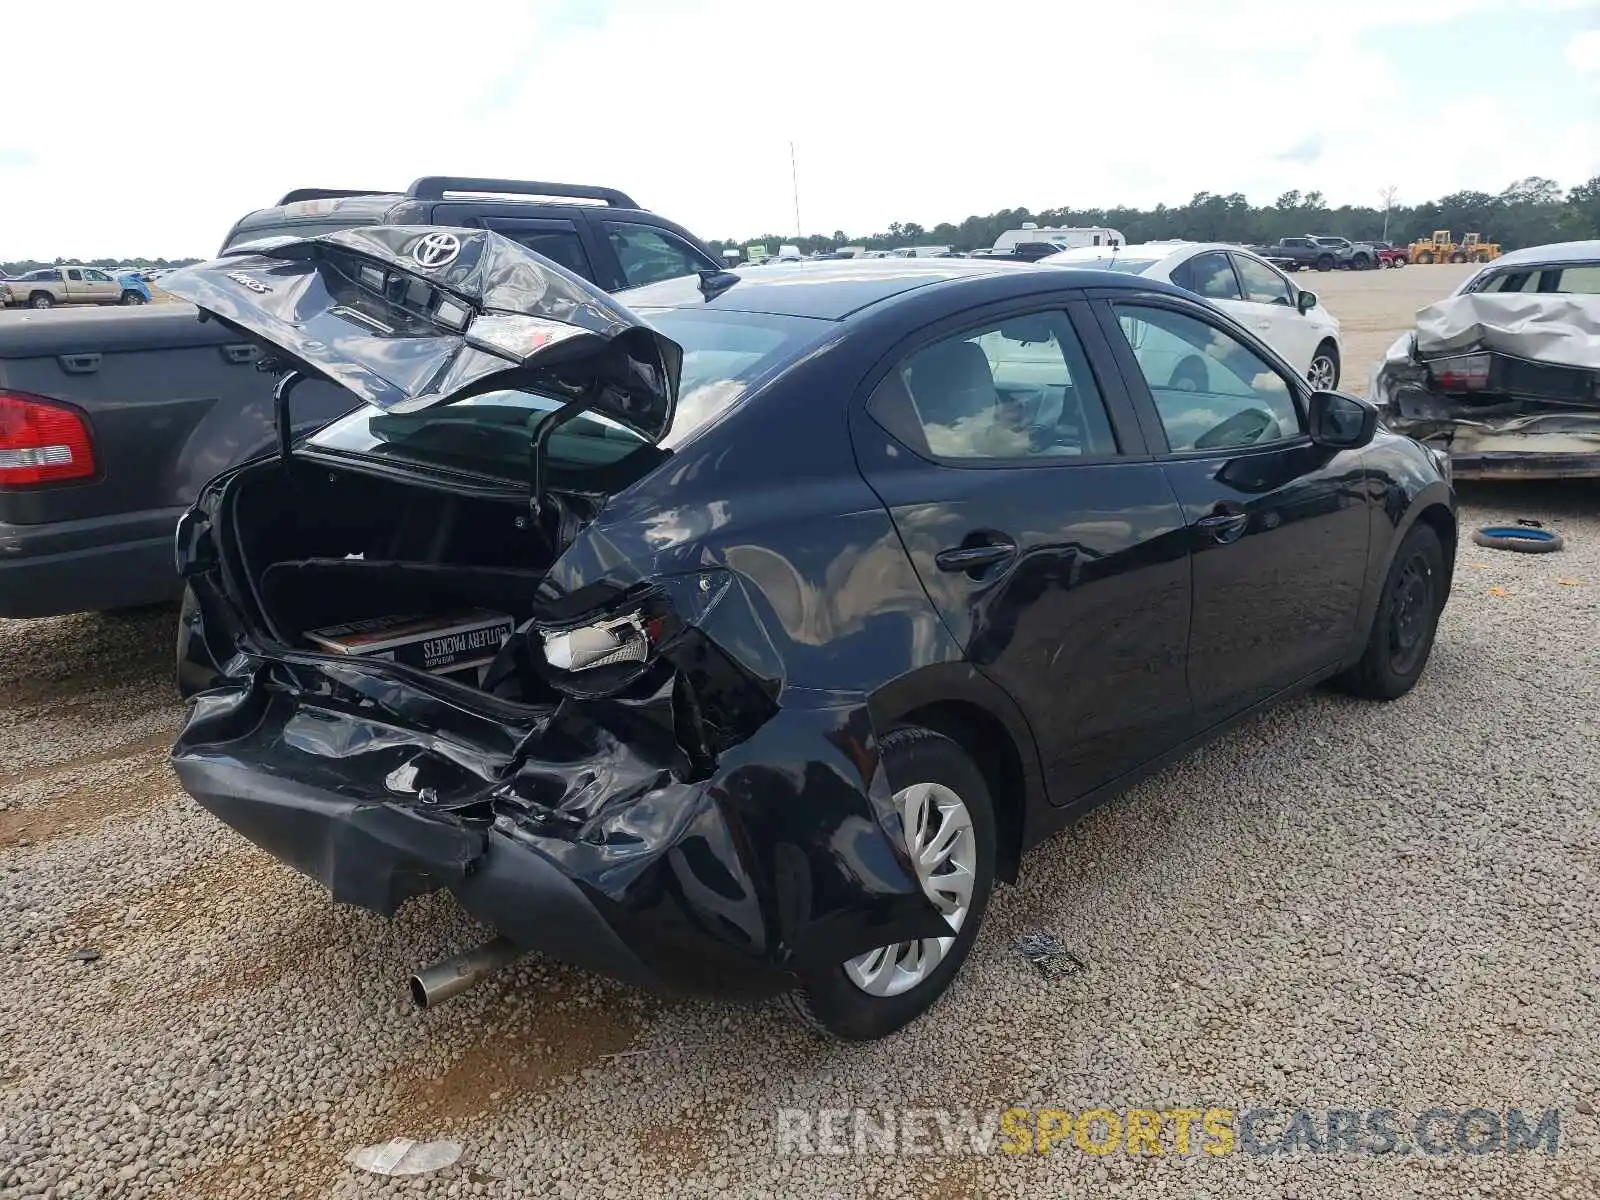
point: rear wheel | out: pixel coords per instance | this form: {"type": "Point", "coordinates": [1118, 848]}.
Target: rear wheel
{"type": "Point", "coordinates": [41, 300]}
{"type": "Point", "coordinates": [1403, 628]}
{"type": "Point", "coordinates": [1325, 263]}
{"type": "Point", "coordinates": [947, 819]}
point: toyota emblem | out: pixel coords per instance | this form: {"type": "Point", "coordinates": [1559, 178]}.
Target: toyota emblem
{"type": "Point", "coordinates": [436, 250]}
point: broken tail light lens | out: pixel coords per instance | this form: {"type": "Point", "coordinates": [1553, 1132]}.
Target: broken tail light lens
{"type": "Point", "coordinates": [624, 639]}
{"type": "Point", "coordinates": [1464, 373]}
{"type": "Point", "coordinates": [42, 441]}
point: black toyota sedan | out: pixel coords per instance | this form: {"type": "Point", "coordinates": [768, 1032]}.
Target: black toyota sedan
{"type": "Point", "coordinates": [738, 640]}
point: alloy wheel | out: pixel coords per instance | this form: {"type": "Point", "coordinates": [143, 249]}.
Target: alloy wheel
{"type": "Point", "coordinates": [943, 849]}
{"type": "Point", "coordinates": [1323, 374]}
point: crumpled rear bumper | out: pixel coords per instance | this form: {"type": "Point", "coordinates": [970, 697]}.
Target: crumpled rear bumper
{"type": "Point", "coordinates": [786, 854]}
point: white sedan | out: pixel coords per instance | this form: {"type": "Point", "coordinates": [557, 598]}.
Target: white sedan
{"type": "Point", "coordinates": [1251, 290]}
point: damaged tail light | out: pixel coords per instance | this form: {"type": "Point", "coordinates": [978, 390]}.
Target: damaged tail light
{"type": "Point", "coordinates": [625, 639]}
{"type": "Point", "coordinates": [1464, 373]}
{"type": "Point", "coordinates": [42, 441]}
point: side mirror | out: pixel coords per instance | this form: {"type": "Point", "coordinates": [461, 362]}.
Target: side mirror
{"type": "Point", "coordinates": [1307, 301]}
{"type": "Point", "coordinates": [1342, 422]}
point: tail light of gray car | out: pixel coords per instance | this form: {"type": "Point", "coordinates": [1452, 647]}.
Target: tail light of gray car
{"type": "Point", "coordinates": [1461, 373]}
{"type": "Point", "coordinates": [42, 442]}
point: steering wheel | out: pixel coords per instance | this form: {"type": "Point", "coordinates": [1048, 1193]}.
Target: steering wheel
{"type": "Point", "coordinates": [1241, 429]}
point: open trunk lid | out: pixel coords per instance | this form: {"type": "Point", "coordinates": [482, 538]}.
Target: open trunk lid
{"type": "Point", "coordinates": [407, 317]}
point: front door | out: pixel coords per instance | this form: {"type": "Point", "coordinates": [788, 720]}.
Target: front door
{"type": "Point", "coordinates": [1272, 303]}
{"type": "Point", "coordinates": [1278, 526]}
{"type": "Point", "coordinates": [1042, 529]}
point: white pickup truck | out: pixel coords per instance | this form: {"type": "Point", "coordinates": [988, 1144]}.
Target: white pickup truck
{"type": "Point", "coordinates": [50, 286]}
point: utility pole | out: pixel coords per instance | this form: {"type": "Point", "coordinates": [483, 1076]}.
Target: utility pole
{"type": "Point", "coordinates": [1388, 194]}
{"type": "Point", "coordinates": [794, 179]}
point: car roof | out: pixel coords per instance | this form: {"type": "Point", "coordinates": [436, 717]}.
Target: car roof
{"type": "Point", "coordinates": [834, 290]}
{"type": "Point", "coordinates": [1556, 252]}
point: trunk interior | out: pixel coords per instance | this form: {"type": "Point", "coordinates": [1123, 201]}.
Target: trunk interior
{"type": "Point", "coordinates": [321, 548]}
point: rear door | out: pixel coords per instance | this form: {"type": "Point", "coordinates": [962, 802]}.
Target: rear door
{"type": "Point", "coordinates": [1278, 527]}
{"type": "Point", "coordinates": [1041, 528]}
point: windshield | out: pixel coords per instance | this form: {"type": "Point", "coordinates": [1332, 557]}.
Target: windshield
{"type": "Point", "coordinates": [489, 434]}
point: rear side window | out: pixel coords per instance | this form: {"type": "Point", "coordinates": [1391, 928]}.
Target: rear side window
{"type": "Point", "coordinates": [1019, 388]}
{"type": "Point", "coordinates": [1211, 275]}
{"type": "Point", "coordinates": [649, 255]}
{"type": "Point", "coordinates": [560, 246]}
{"type": "Point", "coordinates": [1580, 279]}
{"type": "Point", "coordinates": [75, 276]}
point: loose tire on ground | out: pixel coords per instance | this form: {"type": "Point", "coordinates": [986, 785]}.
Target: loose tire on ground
{"type": "Point", "coordinates": [1402, 634]}
{"type": "Point", "coordinates": [1519, 539]}
{"type": "Point", "coordinates": [828, 999]}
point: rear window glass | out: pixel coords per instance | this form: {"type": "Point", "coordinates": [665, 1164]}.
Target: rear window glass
{"type": "Point", "coordinates": [489, 434]}
{"type": "Point", "coordinates": [299, 229]}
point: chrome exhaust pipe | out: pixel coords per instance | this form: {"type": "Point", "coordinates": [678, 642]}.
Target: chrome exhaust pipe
{"type": "Point", "coordinates": [444, 980]}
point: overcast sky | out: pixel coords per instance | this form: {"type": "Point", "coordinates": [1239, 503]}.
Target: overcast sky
{"type": "Point", "coordinates": [146, 129]}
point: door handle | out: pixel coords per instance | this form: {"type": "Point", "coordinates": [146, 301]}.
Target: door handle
{"type": "Point", "coordinates": [975, 557]}
{"type": "Point", "coordinates": [1224, 527]}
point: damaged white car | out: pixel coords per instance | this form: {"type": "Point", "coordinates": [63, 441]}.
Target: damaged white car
{"type": "Point", "coordinates": [1504, 375]}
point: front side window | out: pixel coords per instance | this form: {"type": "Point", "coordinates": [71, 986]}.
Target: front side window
{"type": "Point", "coordinates": [1211, 275]}
{"type": "Point", "coordinates": [1211, 390]}
{"type": "Point", "coordinates": [1262, 284]}
{"type": "Point", "coordinates": [1012, 389]}
{"type": "Point", "coordinates": [650, 255]}
{"type": "Point", "coordinates": [97, 277]}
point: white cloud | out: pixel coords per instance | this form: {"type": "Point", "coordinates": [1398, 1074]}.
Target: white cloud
{"type": "Point", "coordinates": [899, 111]}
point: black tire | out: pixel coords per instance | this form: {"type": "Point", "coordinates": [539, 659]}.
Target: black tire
{"type": "Point", "coordinates": [1325, 263]}
{"type": "Point", "coordinates": [1425, 257]}
{"type": "Point", "coordinates": [827, 1000]}
{"type": "Point", "coordinates": [1543, 542]}
{"type": "Point", "coordinates": [1385, 264]}
{"type": "Point", "coordinates": [1480, 257]}
{"type": "Point", "coordinates": [1361, 262]}
{"type": "Point", "coordinates": [1402, 633]}
{"type": "Point", "coordinates": [131, 297]}
{"type": "Point", "coordinates": [41, 300]}
{"type": "Point", "coordinates": [1331, 352]}
{"type": "Point", "coordinates": [1458, 257]}
{"type": "Point", "coordinates": [1398, 262]}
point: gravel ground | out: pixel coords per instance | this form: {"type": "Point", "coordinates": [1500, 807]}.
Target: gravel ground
{"type": "Point", "coordinates": [1337, 905]}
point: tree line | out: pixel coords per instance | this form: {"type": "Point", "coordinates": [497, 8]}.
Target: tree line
{"type": "Point", "coordinates": [1530, 212]}
{"type": "Point", "coordinates": [23, 265]}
